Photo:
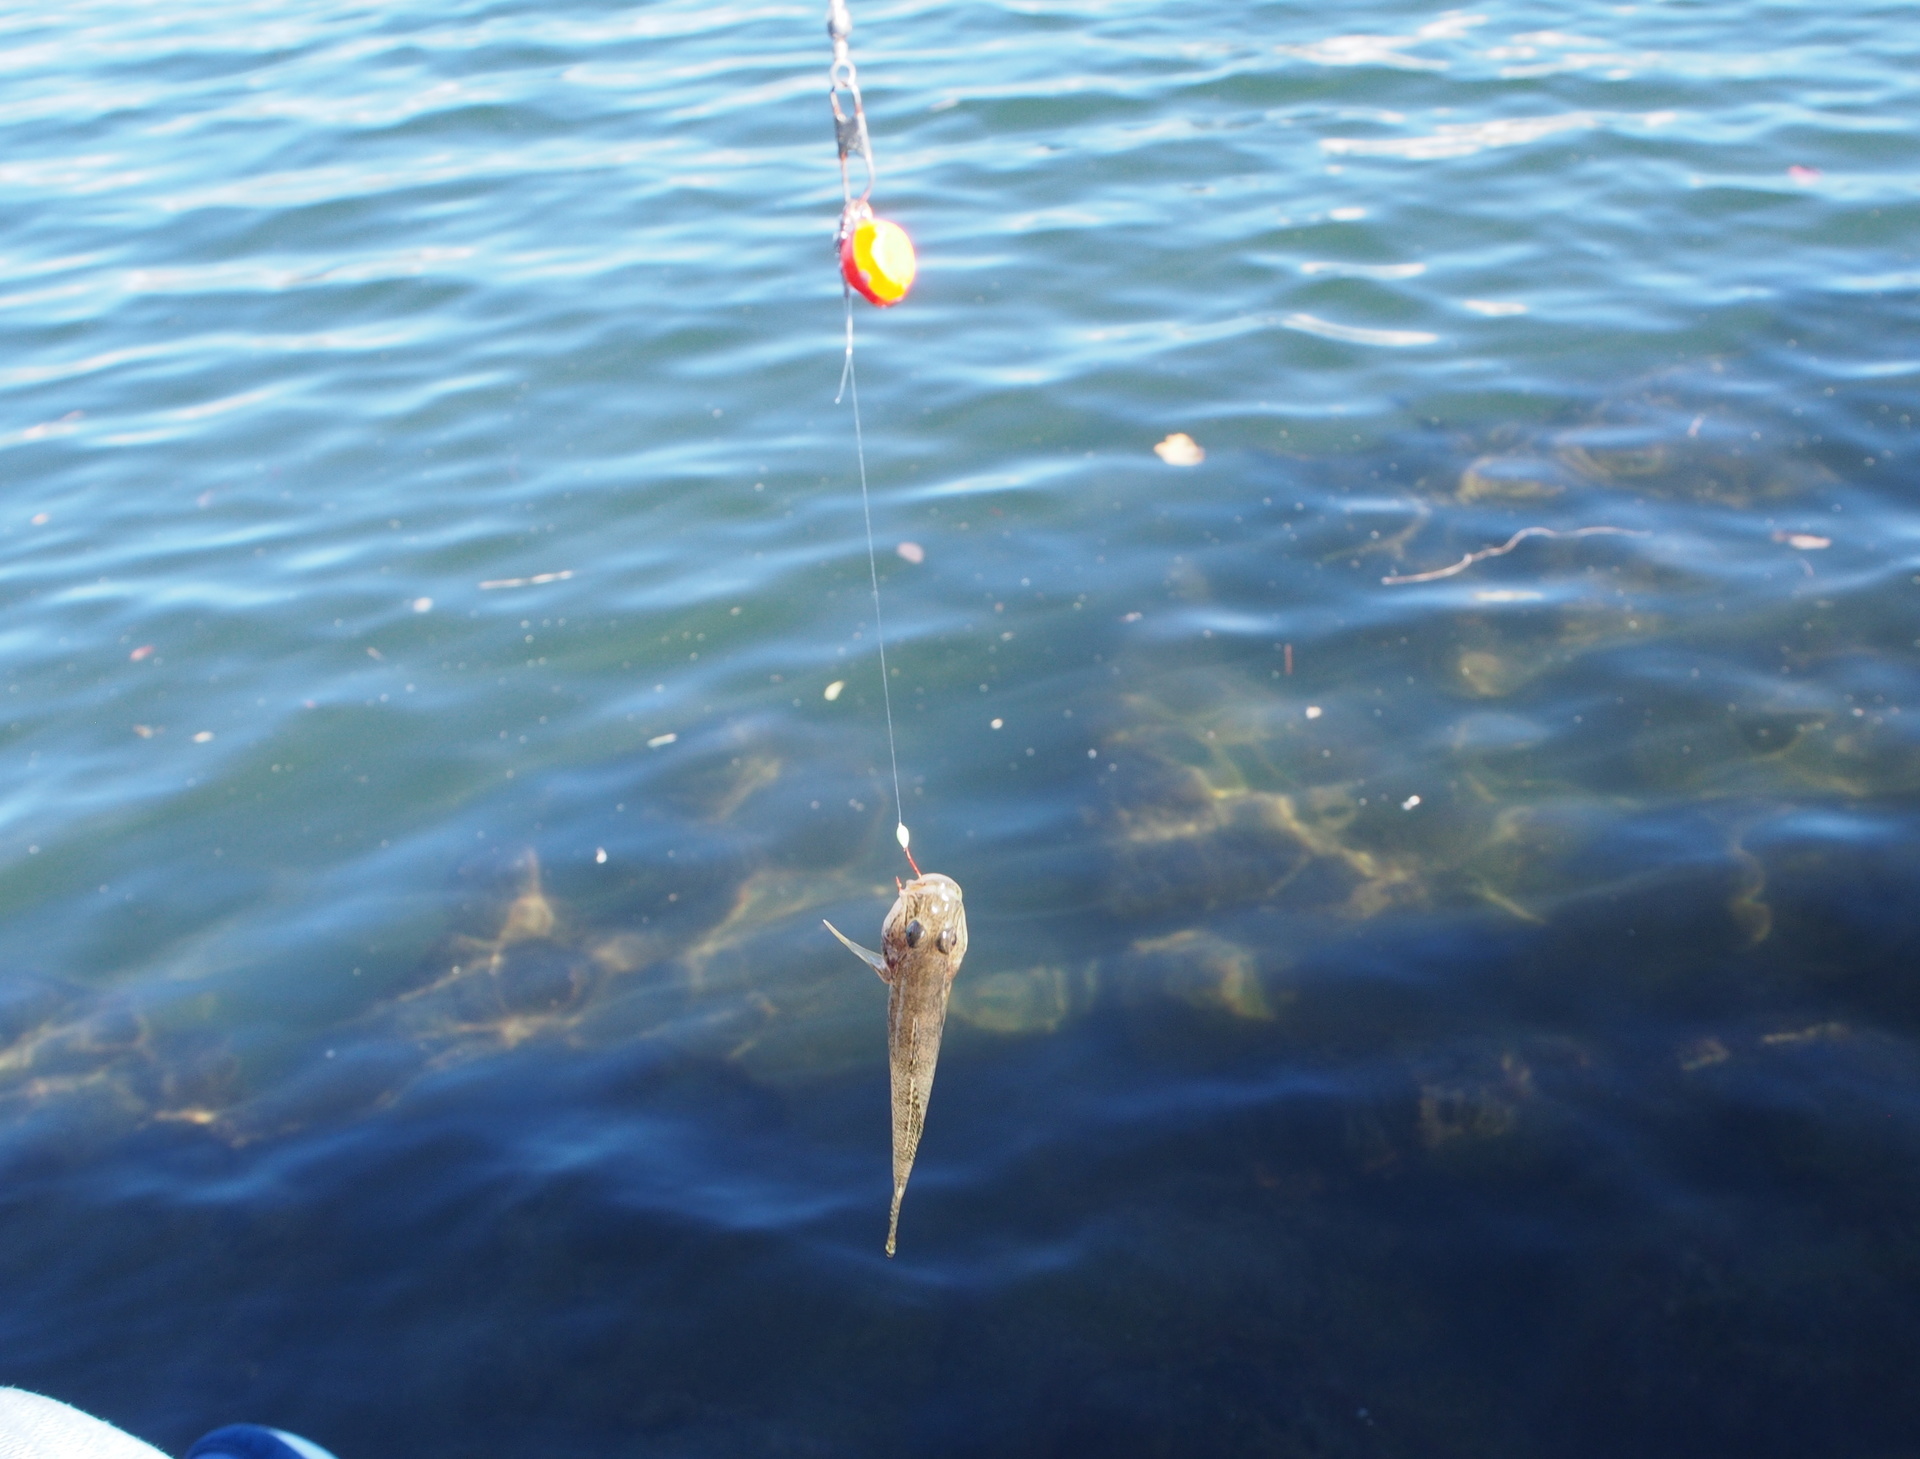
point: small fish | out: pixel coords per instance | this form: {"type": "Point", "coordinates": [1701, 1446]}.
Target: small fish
{"type": "Point", "coordinates": [925, 937]}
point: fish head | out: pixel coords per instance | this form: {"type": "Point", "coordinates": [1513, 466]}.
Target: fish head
{"type": "Point", "coordinates": [927, 927]}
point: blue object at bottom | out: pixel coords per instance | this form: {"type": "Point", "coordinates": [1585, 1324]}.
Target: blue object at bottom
{"type": "Point", "coordinates": [251, 1441]}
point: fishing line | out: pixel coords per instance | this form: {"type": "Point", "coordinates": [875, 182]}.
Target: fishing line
{"type": "Point", "coordinates": [850, 385]}
{"type": "Point", "coordinates": [876, 261]}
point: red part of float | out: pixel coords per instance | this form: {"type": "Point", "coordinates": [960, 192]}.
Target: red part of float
{"type": "Point", "coordinates": [877, 260]}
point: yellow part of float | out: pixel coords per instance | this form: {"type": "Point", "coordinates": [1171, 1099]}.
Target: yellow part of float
{"type": "Point", "coordinates": [884, 256]}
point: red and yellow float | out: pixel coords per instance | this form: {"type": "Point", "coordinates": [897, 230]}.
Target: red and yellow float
{"type": "Point", "coordinates": [877, 261]}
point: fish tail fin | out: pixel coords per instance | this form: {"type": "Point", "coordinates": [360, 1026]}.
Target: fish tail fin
{"type": "Point", "coordinates": [893, 1220]}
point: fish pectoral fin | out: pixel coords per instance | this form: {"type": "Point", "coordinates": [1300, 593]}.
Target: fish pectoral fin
{"type": "Point", "coordinates": [866, 954]}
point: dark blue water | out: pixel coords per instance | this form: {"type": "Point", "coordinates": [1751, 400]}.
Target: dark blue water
{"type": "Point", "coordinates": [1468, 1016]}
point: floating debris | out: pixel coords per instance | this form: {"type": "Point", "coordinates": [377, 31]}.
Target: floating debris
{"type": "Point", "coordinates": [913, 552]}
{"type": "Point", "coordinates": [832, 691]}
{"type": "Point", "coordinates": [1512, 542]}
{"type": "Point", "coordinates": [144, 651]}
{"type": "Point", "coordinates": [203, 737]}
{"type": "Point", "coordinates": [1180, 449]}
{"type": "Point", "coordinates": [1803, 541]}
{"type": "Point", "coordinates": [658, 740]}
{"type": "Point", "coordinates": [423, 605]}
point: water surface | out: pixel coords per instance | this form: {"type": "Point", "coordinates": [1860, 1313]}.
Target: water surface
{"type": "Point", "coordinates": [1465, 1016]}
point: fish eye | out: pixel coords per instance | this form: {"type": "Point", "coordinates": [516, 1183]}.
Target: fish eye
{"type": "Point", "coordinates": [914, 931]}
{"type": "Point", "coordinates": [946, 939]}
